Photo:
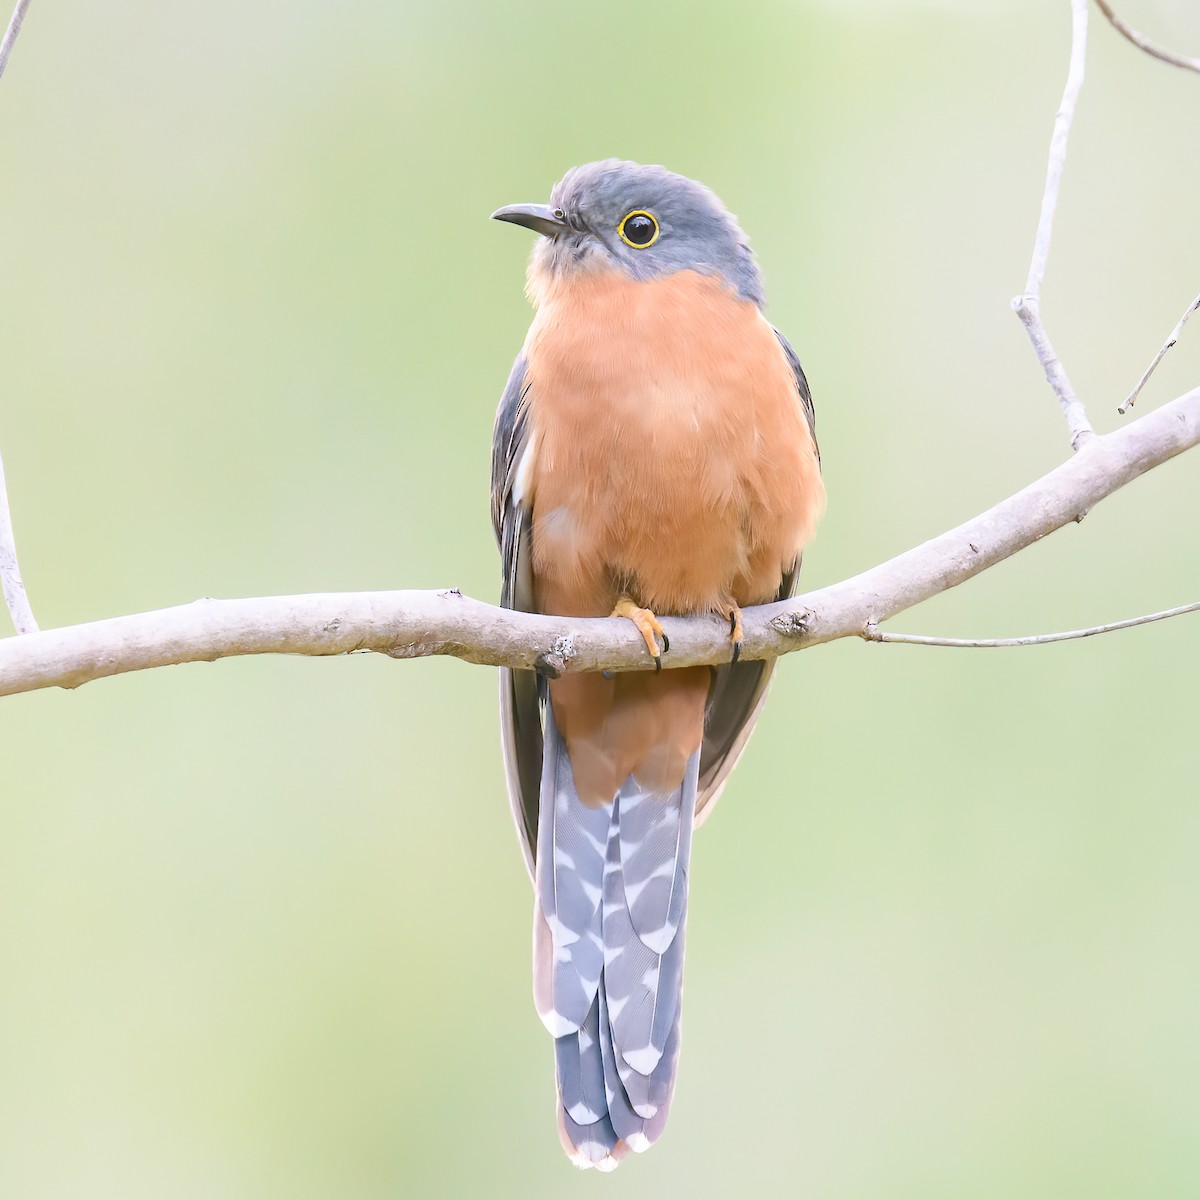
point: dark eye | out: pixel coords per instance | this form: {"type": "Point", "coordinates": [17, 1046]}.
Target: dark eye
{"type": "Point", "coordinates": [638, 229]}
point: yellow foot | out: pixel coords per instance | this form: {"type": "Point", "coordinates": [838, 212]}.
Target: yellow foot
{"type": "Point", "coordinates": [648, 627]}
{"type": "Point", "coordinates": [733, 615]}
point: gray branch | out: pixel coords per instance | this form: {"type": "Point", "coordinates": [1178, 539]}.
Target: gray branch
{"type": "Point", "coordinates": [1033, 639]}
{"type": "Point", "coordinates": [1144, 43]}
{"type": "Point", "coordinates": [10, 34]}
{"type": "Point", "coordinates": [418, 624]}
{"type": "Point", "coordinates": [1028, 306]}
{"type": "Point", "coordinates": [10, 571]}
{"type": "Point", "coordinates": [1129, 400]}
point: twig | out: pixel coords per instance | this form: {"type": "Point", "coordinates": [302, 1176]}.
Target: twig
{"type": "Point", "coordinates": [10, 571]}
{"type": "Point", "coordinates": [1028, 305]}
{"type": "Point", "coordinates": [10, 34]}
{"type": "Point", "coordinates": [1144, 43]}
{"type": "Point", "coordinates": [1141, 383]}
{"type": "Point", "coordinates": [416, 624]}
{"type": "Point", "coordinates": [874, 634]}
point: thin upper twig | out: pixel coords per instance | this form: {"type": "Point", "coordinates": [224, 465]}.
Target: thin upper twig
{"type": "Point", "coordinates": [10, 572]}
{"type": "Point", "coordinates": [1144, 43]}
{"type": "Point", "coordinates": [1128, 403]}
{"type": "Point", "coordinates": [874, 634]}
{"type": "Point", "coordinates": [1028, 305]}
{"type": "Point", "coordinates": [10, 34]}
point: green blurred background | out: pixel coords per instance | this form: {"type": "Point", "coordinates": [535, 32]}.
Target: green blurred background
{"type": "Point", "coordinates": [263, 924]}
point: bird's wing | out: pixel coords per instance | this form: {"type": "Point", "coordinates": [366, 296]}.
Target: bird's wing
{"type": "Point", "coordinates": [806, 401]}
{"type": "Point", "coordinates": [522, 693]}
{"type": "Point", "coordinates": [739, 689]}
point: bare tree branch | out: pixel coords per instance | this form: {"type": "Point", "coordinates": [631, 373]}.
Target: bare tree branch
{"type": "Point", "coordinates": [10, 34]}
{"type": "Point", "coordinates": [417, 624]}
{"type": "Point", "coordinates": [1144, 43]}
{"type": "Point", "coordinates": [1167, 345]}
{"type": "Point", "coordinates": [10, 572]}
{"type": "Point", "coordinates": [1027, 306]}
{"type": "Point", "coordinates": [1176, 60]}
{"type": "Point", "coordinates": [1037, 639]}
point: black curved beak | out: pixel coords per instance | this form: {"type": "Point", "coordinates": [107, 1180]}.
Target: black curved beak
{"type": "Point", "coordinates": [541, 218]}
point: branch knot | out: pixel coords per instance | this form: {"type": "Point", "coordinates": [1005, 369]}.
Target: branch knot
{"type": "Point", "coordinates": [793, 624]}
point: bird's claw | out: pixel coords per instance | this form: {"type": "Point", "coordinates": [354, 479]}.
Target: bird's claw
{"type": "Point", "coordinates": [647, 625]}
{"type": "Point", "coordinates": [736, 635]}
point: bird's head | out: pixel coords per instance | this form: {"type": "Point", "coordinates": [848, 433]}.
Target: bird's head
{"type": "Point", "coordinates": [644, 220]}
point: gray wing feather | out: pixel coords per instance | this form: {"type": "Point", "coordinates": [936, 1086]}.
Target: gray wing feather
{"type": "Point", "coordinates": [508, 440]}
{"type": "Point", "coordinates": [522, 694]}
{"type": "Point", "coordinates": [802, 387]}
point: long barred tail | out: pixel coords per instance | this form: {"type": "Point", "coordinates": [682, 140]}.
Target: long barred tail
{"type": "Point", "coordinates": [610, 907]}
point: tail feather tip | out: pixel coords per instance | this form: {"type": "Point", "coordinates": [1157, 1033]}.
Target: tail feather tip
{"type": "Point", "coordinates": [643, 1061]}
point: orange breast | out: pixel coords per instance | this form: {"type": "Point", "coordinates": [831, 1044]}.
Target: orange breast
{"type": "Point", "coordinates": [670, 458]}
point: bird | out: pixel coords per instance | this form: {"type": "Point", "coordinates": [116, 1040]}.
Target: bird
{"type": "Point", "coordinates": [654, 453]}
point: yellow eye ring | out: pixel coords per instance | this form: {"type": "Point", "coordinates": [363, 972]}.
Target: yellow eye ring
{"type": "Point", "coordinates": [639, 229]}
